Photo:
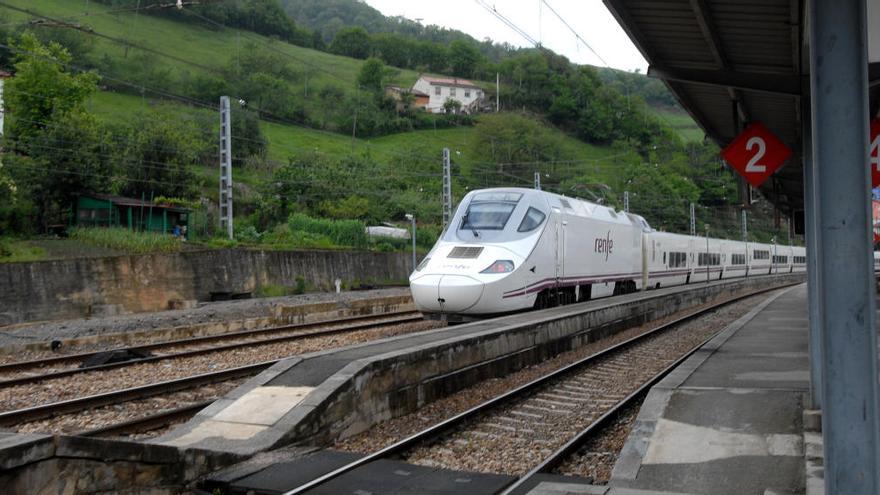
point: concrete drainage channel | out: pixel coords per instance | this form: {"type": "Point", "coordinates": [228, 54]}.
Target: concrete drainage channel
{"type": "Point", "coordinates": [320, 397]}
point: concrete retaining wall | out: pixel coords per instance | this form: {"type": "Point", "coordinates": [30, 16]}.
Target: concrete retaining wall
{"type": "Point", "coordinates": [82, 287]}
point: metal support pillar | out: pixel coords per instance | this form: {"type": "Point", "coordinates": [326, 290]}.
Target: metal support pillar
{"type": "Point", "coordinates": [226, 167]}
{"type": "Point", "coordinates": [538, 180]}
{"type": "Point", "coordinates": [839, 78]}
{"type": "Point", "coordinates": [447, 188]}
{"type": "Point", "coordinates": [745, 226]}
{"type": "Point", "coordinates": [626, 201]}
{"type": "Point", "coordinates": [812, 245]}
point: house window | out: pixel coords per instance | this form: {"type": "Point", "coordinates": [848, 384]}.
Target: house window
{"type": "Point", "coordinates": [451, 91]}
{"type": "Point", "coordinates": [467, 93]}
{"type": "Point", "coordinates": [437, 90]}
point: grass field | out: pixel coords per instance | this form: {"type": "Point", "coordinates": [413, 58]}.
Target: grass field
{"type": "Point", "coordinates": [194, 44]}
{"type": "Point", "coordinates": [681, 122]}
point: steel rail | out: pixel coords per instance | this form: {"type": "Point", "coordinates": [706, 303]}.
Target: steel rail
{"type": "Point", "coordinates": [25, 415]}
{"type": "Point", "coordinates": [147, 423]}
{"type": "Point", "coordinates": [367, 322]}
{"type": "Point", "coordinates": [444, 426]}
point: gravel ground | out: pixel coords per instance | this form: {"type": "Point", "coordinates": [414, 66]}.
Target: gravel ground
{"type": "Point", "coordinates": [390, 431]}
{"type": "Point", "coordinates": [105, 416]}
{"type": "Point", "coordinates": [172, 349]}
{"type": "Point", "coordinates": [595, 460]}
{"type": "Point", "coordinates": [205, 312]}
{"type": "Point", "coordinates": [95, 382]}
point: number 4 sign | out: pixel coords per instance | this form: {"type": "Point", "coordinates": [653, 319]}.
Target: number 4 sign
{"type": "Point", "coordinates": [874, 153]}
{"type": "Point", "coordinates": [756, 153]}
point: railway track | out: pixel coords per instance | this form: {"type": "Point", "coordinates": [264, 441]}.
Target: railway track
{"type": "Point", "coordinates": [198, 346]}
{"type": "Point", "coordinates": [223, 379]}
{"type": "Point", "coordinates": [541, 423]}
{"type": "Point", "coordinates": [29, 414]}
{"type": "Point", "coordinates": [149, 423]}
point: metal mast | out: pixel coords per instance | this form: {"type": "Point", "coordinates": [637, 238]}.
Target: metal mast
{"type": "Point", "coordinates": [226, 166]}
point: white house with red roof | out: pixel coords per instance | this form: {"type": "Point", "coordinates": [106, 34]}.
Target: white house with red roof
{"type": "Point", "coordinates": [440, 89]}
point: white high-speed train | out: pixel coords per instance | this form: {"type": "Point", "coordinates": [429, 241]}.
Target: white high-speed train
{"type": "Point", "coordinates": [510, 249]}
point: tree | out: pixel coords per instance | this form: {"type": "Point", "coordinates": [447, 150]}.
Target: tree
{"type": "Point", "coordinates": [62, 161]}
{"type": "Point", "coordinates": [432, 56]}
{"type": "Point", "coordinates": [463, 58]}
{"type": "Point", "coordinates": [351, 42]}
{"type": "Point", "coordinates": [331, 98]}
{"type": "Point", "coordinates": [371, 75]}
{"type": "Point", "coordinates": [42, 86]}
{"type": "Point", "coordinates": [393, 49]}
{"type": "Point", "coordinates": [155, 157]}
{"type": "Point", "coordinates": [452, 106]}
{"type": "Point", "coordinates": [247, 136]}
{"type": "Point", "coordinates": [55, 146]}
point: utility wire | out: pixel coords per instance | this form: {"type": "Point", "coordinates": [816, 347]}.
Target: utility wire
{"type": "Point", "coordinates": [492, 10]}
{"type": "Point", "coordinates": [576, 35]}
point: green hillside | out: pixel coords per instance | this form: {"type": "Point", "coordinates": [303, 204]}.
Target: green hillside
{"type": "Point", "coordinates": [150, 128]}
{"type": "Point", "coordinates": [285, 141]}
{"type": "Point", "coordinates": [194, 43]}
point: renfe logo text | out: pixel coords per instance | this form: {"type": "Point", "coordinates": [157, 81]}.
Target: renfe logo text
{"type": "Point", "coordinates": [605, 245]}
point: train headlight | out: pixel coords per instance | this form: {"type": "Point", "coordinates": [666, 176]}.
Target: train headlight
{"type": "Point", "coordinates": [500, 266]}
{"type": "Point", "coordinates": [423, 264]}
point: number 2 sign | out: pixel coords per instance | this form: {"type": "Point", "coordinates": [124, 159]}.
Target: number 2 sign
{"type": "Point", "coordinates": [874, 153]}
{"type": "Point", "coordinates": [756, 154]}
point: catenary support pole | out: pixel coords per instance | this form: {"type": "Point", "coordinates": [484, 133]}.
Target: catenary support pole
{"type": "Point", "coordinates": [839, 78]}
{"type": "Point", "coordinates": [538, 181]}
{"type": "Point", "coordinates": [226, 222]}
{"type": "Point", "coordinates": [812, 245]}
{"type": "Point", "coordinates": [626, 201]}
{"type": "Point", "coordinates": [693, 220]}
{"type": "Point", "coordinates": [447, 188]}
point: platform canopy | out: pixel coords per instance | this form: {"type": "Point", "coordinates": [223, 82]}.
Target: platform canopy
{"type": "Point", "coordinates": [730, 62]}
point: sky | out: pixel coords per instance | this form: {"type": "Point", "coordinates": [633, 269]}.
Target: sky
{"type": "Point", "coordinates": [589, 18]}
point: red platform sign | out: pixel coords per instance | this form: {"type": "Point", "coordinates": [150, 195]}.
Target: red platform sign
{"type": "Point", "coordinates": [756, 153]}
{"type": "Point", "coordinates": [874, 147]}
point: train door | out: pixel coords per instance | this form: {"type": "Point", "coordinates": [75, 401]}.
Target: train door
{"type": "Point", "coordinates": [560, 245]}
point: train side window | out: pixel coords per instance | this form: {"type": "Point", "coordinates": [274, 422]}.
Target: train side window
{"type": "Point", "coordinates": [531, 220]}
{"type": "Point", "coordinates": [664, 257]}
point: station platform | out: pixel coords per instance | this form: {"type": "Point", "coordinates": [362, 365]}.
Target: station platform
{"type": "Point", "coordinates": [730, 419]}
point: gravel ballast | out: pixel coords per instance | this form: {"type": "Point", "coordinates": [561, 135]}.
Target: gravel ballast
{"type": "Point", "coordinates": [493, 452]}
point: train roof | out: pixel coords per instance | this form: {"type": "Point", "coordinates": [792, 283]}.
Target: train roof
{"type": "Point", "coordinates": [579, 207]}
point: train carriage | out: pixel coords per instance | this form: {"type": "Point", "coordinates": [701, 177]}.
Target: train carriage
{"type": "Point", "coordinates": [511, 249]}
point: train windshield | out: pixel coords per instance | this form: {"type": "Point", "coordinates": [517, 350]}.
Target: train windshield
{"type": "Point", "coordinates": [489, 211]}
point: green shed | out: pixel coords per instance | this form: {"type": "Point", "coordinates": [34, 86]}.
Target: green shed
{"type": "Point", "coordinates": [100, 210]}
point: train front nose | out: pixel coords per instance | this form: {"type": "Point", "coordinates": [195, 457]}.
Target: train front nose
{"type": "Point", "coordinates": [445, 293]}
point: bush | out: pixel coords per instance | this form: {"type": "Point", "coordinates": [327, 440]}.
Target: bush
{"type": "Point", "coordinates": [300, 285]}
{"type": "Point", "coordinates": [350, 233]}
{"type": "Point", "coordinates": [126, 240]}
